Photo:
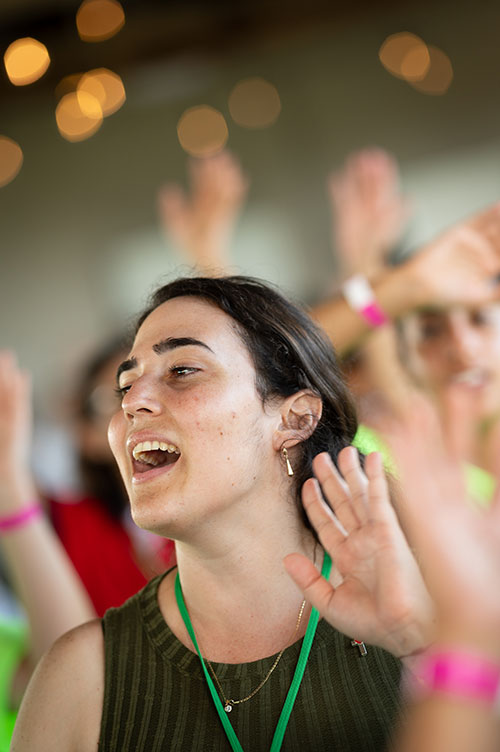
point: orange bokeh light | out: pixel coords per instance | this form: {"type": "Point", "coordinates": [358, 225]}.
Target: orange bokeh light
{"type": "Point", "coordinates": [254, 103]}
{"type": "Point", "coordinates": [202, 131]}
{"type": "Point", "coordinates": [106, 86]}
{"type": "Point", "coordinates": [11, 160]}
{"type": "Point", "coordinates": [439, 76]}
{"type": "Point", "coordinates": [26, 60]}
{"type": "Point", "coordinates": [405, 55]}
{"type": "Point", "coordinates": [97, 20]}
{"type": "Point", "coordinates": [78, 116]}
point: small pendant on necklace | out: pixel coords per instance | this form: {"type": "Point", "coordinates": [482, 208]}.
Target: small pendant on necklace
{"type": "Point", "coordinates": [228, 707]}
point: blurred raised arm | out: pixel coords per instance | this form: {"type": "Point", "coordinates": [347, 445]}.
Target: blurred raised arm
{"type": "Point", "coordinates": [459, 550]}
{"type": "Point", "coordinates": [39, 568]}
{"type": "Point", "coordinates": [461, 266]}
{"type": "Point", "coordinates": [368, 210]}
{"type": "Point", "coordinates": [201, 222]}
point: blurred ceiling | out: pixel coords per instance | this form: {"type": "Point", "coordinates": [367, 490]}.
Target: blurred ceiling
{"type": "Point", "coordinates": [156, 29]}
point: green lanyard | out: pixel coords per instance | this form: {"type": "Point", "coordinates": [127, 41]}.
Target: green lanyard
{"type": "Point", "coordinates": [297, 677]}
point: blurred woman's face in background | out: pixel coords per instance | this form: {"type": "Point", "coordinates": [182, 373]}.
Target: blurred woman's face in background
{"type": "Point", "coordinates": [102, 402]}
{"type": "Point", "coordinates": [456, 352]}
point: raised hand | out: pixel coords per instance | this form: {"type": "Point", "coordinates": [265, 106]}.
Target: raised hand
{"type": "Point", "coordinates": [369, 212]}
{"type": "Point", "coordinates": [462, 265]}
{"type": "Point", "coordinates": [458, 545]}
{"type": "Point", "coordinates": [381, 598]}
{"type": "Point", "coordinates": [201, 222]}
{"type": "Point", "coordinates": [16, 486]}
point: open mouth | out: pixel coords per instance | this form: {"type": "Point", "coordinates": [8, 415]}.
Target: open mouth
{"type": "Point", "coordinates": [154, 455]}
{"type": "Point", "coordinates": [473, 378]}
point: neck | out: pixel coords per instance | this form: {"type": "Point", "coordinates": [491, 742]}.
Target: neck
{"type": "Point", "coordinates": [242, 604]}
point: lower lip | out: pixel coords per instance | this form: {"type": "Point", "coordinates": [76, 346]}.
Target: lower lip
{"type": "Point", "coordinates": [138, 478]}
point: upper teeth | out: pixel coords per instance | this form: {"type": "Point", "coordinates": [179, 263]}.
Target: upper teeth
{"type": "Point", "coordinates": [149, 446]}
{"type": "Point", "coordinates": [472, 376]}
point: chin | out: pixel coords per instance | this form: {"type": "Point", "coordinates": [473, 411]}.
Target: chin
{"type": "Point", "coordinates": [153, 523]}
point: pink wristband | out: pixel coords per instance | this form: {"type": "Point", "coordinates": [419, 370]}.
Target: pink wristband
{"type": "Point", "coordinates": [373, 314]}
{"type": "Point", "coordinates": [458, 673]}
{"type": "Point", "coordinates": [18, 519]}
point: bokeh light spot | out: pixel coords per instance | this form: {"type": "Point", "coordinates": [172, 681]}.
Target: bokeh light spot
{"type": "Point", "coordinates": [67, 84]}
{"type": "Point", "coordinates": [78, 116]}
{"type": "Point", "coordinates": [106, 86]}
{"type": "Point", "coordinates": [26, 60]}
{"type": "Point", "coordinates": [416, 63]}
{"type": "Point", "coordinates": [11, 160]}
{"type": "Point", "coordinates": [439, 76]}
{"type": "Point", "coordinates": [202, 131]}
{"type": "Point", "coordinates": [254, 103]}
{"type": "Point", "coordinates": [404, 55]}
{"type": "Point", "coordinates": [97, 20]}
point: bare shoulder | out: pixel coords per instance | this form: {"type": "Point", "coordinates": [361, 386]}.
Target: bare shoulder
{"type": "Point", "coordinates": [62, 707]}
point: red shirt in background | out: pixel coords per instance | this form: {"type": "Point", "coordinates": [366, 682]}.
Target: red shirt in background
{"type": "Point", "coordinates": [102, 552]}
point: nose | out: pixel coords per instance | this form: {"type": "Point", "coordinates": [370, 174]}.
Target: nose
{"type": "Point", "coordinates": [142, 398]}
{"type": "Point", "coordinates": [464, 342]}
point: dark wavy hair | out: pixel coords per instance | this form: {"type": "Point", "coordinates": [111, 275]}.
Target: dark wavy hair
{"type": "Point", "coordinates": [289, 353]}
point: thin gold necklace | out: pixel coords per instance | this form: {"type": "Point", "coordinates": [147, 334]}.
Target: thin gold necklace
{"type": "Point", "coordinates": [229, 704]}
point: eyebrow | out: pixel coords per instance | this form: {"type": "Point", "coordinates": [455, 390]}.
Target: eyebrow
{"type": "Point", "coordinates": [165, 345]}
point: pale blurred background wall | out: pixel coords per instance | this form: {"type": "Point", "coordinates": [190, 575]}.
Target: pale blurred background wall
{"type": "Point", "coordinates": [80, 242]}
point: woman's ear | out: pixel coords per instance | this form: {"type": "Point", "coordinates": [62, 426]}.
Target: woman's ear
{"type": "Point", "coordinates": [300, 414]}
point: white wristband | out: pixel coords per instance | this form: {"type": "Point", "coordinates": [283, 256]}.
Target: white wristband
{"type": "Point", "coordinates": [360, 296]}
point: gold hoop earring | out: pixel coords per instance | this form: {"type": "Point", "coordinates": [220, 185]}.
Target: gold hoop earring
{"type": "Point", "coordinates": [289, 468]}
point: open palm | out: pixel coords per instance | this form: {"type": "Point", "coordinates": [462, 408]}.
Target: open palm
{"type": "Point", "coordinates": [380, 597]}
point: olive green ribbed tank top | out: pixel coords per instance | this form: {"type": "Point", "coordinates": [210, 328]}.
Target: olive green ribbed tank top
{"type": "Point", "coordinates": [156, 697]}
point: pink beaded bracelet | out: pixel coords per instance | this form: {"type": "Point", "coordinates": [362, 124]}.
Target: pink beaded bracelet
{"type": "Point", "coordinates": [360, 296]}
{"type": "Point", "coordinates": [21, 518]}
{"type": "Point", "coordinates": [455, 672]}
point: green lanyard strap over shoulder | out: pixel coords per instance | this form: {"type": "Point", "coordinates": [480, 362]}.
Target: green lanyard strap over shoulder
{"type": "Point", "coordinates": [297, 677]}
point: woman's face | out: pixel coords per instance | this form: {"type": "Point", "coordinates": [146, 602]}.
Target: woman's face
{"type": "Point", "coordinates": [457, 352]}
{"type": "Point", "coordinates": [192, 440]}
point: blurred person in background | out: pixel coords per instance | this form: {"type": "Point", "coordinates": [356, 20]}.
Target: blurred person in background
{"type": "Point", "coordinates": [454, 688]}
{"type": "Point", "coordinates": [426, 333]}
{"type": "Point", "coordinates": [37, 565]}
{"type": "Point", "coordinates": [369, 214]}
{"type": "Point", "coordinates": [66, 559]}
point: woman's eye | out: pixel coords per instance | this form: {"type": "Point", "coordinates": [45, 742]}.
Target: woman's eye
{"type": "Point", "coordinates": [483, 317]}
{"type": "Point", "coordinates": [121, 391]}
{"type": "Point", "coordinates": [183, 370]}
{"type": "Point", "coordinates": [431, 329]}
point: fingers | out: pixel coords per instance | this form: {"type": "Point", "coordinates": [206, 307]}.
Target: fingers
{"type": "Point", "coordinates": [346, 493]}
{"type": "Point", "coordinates": [355, 496]}
{"type": "Point", "coordinates": [219, 176]}
{"type": "Point", "coordinates": [315, 588]}
{"type": "Point", "coordinates": [336, 491]}
{"type": "Point", "coordinates": [487, 221]}
{"type": "Point", "coordinates": [357, 482]}
{"type": "Point", "coordinates": [330, 530]}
